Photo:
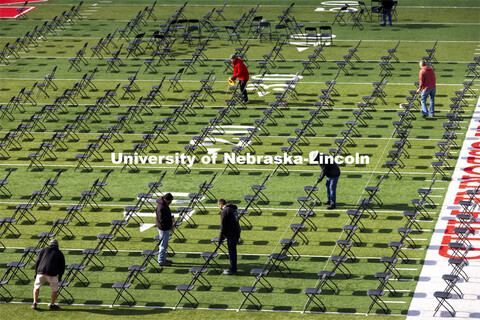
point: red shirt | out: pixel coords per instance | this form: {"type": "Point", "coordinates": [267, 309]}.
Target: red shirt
{"type": "Point", "coordinates": [240, 70]}
{"type": "Point", "coordinates": [426, 78]}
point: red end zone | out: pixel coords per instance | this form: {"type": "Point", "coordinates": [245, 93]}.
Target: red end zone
{"type": "Point", "coordinates": [11, 12]}
{"type": "Point", "coordinates": [2, 2]}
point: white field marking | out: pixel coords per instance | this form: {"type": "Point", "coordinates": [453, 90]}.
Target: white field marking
{"type": "Point", "coordinates": [209, 168]}
{"type": "Point", "coordinates": [276, 77]}
{"type": "Point", "coordinates": [414, 239]}
{"type": "Point", "coordinates": [146, 226]}
{"type": "Point", "coordinates": [199, 252]}
{"type": "Point", "coordinates": [266, 137]}
{"type": "Point", "coordinates": [397, 302]}
{"type": "Point", "coordinates": [213, 150]}
{"type": "Point", "coordinates": [215, 207]}
{"type": "Point", "coordinates": [217, 309]}
{"type": "Point", "coordinates": [302, 49]}
{"type": "Point", "coordinates": [195, 81]}
{"type": "Point", "coordinates": [24, 12]}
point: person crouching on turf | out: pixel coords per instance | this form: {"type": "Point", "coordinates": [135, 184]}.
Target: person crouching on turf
{"type": "Point", "coordinates": [240, 71]}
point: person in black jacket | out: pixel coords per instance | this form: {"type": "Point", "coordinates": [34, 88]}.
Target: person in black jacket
{"type": "Point", "coordinates": [332, 172]}
{"type": "Point", "coordinates": [164, 224]}
{"type": "Point", "coordinates": [230, 230]}
{"type": "Point", "coordinates": [49, 267]}
{"type": "Point", "coordinates": [386, 7]}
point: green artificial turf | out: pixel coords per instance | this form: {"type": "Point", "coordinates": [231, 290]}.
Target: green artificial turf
{"type": "Point", "coordinates": [416, 27]}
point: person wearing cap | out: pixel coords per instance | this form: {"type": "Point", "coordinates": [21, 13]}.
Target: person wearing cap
{"type": "Point", "coordinates": [229, 230]}
{"type": "Point", "coordinates": [240, 71]}
{"type": "Point", "coordinates": [330, 170]}
{"type": "Point", "coordinates": [49, 267]}
{"type": "Point", "coordinates": [164, 223]}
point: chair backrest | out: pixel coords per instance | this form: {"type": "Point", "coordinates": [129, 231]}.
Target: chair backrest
{"type": "Point", "coordinates": [107, 175]}
{"type": "Point", "coordinates": [8, 173]}
{"type": "Point", "coordinates": [325, 28]}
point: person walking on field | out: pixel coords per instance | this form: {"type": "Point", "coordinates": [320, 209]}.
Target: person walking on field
{"type": "Point", "coordinates": [427, 84]}
{"type": "Point", "coordinates": [230, 230]}
{"type": "Point", "coordinates": [240, 71]}
{"type": "Point", "coordinates": [49, 267]}
{"type": "Point", "coordinates": [164, 223]}
{"type": "Point", "coordinates": [330, 170]}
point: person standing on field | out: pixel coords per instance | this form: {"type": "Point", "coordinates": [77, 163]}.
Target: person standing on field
{"type": "Point", "coordinates": [164, 223]}
{"type": "Point", "coordinates": [240, 71]}
{"type": "Point", "coordinates": [427, 83]}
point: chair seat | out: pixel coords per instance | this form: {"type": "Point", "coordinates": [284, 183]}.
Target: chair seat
{"type": "Point", "coordinates": [375, 292]}
{"type": "Point", "coordinates": [137, 268]}
{"type": "Point", "coordinates": [248, 289]}
{"type": "Point", "coordinates": [262, 272]}
{"type": "Point", "coordinates": [312, 291]}
{"type": "Point", "coordinates": [121, 285]}
{"type": "Point", "coordinates": [198, 269]}
{"type": "Point", "coordinates": [184, 287]}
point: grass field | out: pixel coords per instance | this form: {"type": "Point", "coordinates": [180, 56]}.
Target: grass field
{"type": "Point", "coordinates": [416, 27]}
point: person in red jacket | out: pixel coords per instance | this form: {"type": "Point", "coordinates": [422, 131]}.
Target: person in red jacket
{"type": "Point", "coordinates": [240, 71]}
{"type": "Point", "coordinates": [427, 84]}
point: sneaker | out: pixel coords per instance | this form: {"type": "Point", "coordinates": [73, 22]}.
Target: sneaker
{"type": "Point", "coordinates": [382, 25]}
{"type": "Point", "coordinates": [54, 307]}
{"type": "Point", "coordinates": [34, 306]}
{"type": "Point", "coordinates": [165, 264]}
{"type": "Point", "coordinates": [326, 202]}
{"type": "Point", "coordinates": [169, 261]}
{"type": "Point", "coordinates": [330, 207]}
{"type": "Point", "coordinates": [229, 272]}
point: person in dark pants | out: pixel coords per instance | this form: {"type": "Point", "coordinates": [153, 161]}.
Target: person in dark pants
{"type": "Point", "coordinates": [331, 170]}
{"type": "Point", "coordinates": [164, 224]}
{"type": "Point", "coordinates": [240, 71]}
{"type": "Point", "coordinates": [230, 230]}
{"type": "Point", "coordinates": [49, 267]}
{"type": "Point", "coordinates": [386, 7]}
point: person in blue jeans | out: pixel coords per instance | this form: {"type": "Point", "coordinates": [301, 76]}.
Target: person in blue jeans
{"type": "Point", "coordinates": [386, 8]}
{"type": "Point", "coordinates": [229, 230]}
{"type": "Point", "coordinates": [164, 223]}
{"type": "Point", "coordinates": [330, 170]}
{"type": "Point", "coordinates": [427, 84]}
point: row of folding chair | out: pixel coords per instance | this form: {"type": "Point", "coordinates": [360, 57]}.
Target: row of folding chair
{"type": "Point", "coordinates": [24, 96]}
{"type": "Point", "coordinates": [30, 38]}
{"type": "Point", "coordinates": [390, 271]}
{"type": "Point", "coordinates": [460, 247]}
{"type": "Point", "coordinates": [268, 59]}
{"type": "Point", "coordinates": [276, 261]}
{"type": "Point", "coordinates": [313, 60]}
{"type": "Point", "coordinates": [385, 64]}
{"type": "Point", "coordinates": [326, 277]}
